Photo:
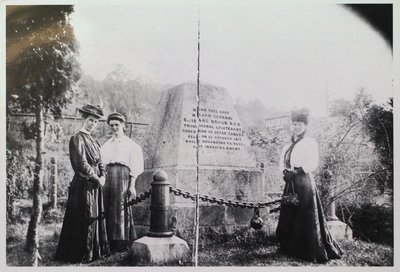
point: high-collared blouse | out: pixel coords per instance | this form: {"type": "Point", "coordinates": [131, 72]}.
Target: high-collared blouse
{"type": "Point", "coordinates": [304, 154]}
{"type": "Point", "coordinates": [125, 151]}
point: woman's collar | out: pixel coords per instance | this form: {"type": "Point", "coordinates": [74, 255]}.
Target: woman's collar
{"type": "Point", "coordinates": [85, 131]}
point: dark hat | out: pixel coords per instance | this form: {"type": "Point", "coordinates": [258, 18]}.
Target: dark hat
{"type": "Point", "coordinates": [92, 110]}
{"type": "Point", "coordinates": [300, 115]}
{"type": "Point", "coordinates": [115, 116]}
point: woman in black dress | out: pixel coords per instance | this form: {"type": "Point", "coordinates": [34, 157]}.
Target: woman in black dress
{"type": "Point", "coordinates": [302, 229]}
{"type": "Point", "coordinates": [83, 236]}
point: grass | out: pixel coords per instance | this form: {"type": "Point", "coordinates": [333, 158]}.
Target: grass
{"type": "Point", "coordinates": [357, 253]}
{"type": "Point", "coordinates": [242, 248]}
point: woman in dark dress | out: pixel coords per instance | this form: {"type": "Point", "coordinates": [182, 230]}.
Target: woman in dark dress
{"type": "Point", "coordinates": [302, 229]}
{"type": "Point", "coordinates": [83, 236]}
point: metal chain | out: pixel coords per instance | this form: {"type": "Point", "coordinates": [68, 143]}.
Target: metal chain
{"type": "Point", "coordinates": [228, 203]}
{"type": "Point", "coordinates": [277, 209]}
{"type": "Point", "coordinates": [206, 198]}
{"type": "Point", "coordinates": [139, 198]}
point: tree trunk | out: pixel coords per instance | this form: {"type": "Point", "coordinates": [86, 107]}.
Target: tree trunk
{"type": "Point", "coordinates": [32, 237]}
{"type": "Point", "coordinates": [10, 198]}
{"type": "Point", "coordinates": [53, 182]}
{"type": "Point", "coordinates": [10, 179]}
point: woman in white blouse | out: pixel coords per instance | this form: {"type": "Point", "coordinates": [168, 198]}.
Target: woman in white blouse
{"type": "Point", "coordinates": [302, 230]}
{"type": "Point", "coordinates": [123, 159]}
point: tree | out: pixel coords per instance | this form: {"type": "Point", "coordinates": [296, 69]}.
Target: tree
{"type": "Point", "coordinates": [41, 74]}
{"type": "Point", "coordinates": [121, 91]}
{"type": "Point", "coordinates": [348, 148]}
{"type": "Point", "coordinates": [122, 97]}
{"type": "Point", "coordinates": [379, 125]}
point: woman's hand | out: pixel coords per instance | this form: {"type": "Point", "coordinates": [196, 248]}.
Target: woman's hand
{"type": "Point", "coordinates": [130, 193]}
{"type": "Point", "coordinates": [102, 181]}
{"type": "Point", "coordinates": [288, 175]}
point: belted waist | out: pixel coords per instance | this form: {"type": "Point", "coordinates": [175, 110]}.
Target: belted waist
{"type": "Point", "coordinates": [116, 164]}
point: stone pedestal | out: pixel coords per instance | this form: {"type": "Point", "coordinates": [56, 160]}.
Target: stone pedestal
{"type": "Point", "coordinates": [340, 230]}
{"type": "Point", "coordinates": [157, 250]}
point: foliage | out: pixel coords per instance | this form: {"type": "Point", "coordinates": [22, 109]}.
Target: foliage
{"type": "Point", "coordinates": [266, 146]}
{"type": "Point", "coordinates": [379, 125]}
{"type": "Point", "coordinates": [29, 130]}
{"type": "Point", "coordinates": [19, 175]}
{"type": "Point", "coordinates": [345, 152]}
{"type": "Point", "coordinates": [268, 143]}
{"type": "Point", "coordinates": [134, 97]}
{"type": "Point", "coordinates": [11, 191]}
{"type": "Point", "coordinates": [41, 74]}
{"type": "Point", "coordinates": [348, 152]}
{"type": "Point", "coordinates": [41, 64]}
{"type": "Point", "coordinates": [41, 59]}
{"type": "Point", "coordinates": [378, 218]}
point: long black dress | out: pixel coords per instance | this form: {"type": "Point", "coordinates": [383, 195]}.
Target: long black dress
{"type": "Point", "coordinates": [83, 236]}
{"type": "Point", "coordinates": [302, 230]}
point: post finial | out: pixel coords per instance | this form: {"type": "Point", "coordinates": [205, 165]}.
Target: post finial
{"type": "Point", "coordinates": [160, 175]}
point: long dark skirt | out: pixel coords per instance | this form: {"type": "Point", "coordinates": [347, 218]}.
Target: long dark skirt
{"type": "Point", "coordinates": [119, 217]}
{"type": "Point", "coordinates": [302, 230]}
{"type": "Point", "coordinates": [83, 236]}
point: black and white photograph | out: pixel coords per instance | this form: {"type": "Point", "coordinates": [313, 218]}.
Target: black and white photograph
{"type": "Point", "coordinates": [200, 134]}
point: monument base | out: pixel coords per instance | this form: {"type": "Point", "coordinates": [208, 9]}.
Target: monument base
{"type": "Point", "coordinates": [158, 250]}
{"type": "Point", "coordinates": [340, 230]}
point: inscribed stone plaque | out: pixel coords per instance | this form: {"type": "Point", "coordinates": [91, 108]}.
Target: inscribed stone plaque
{"type": "Point", "coordinates": [172, 141]}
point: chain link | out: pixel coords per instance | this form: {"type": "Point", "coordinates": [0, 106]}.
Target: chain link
{"type": "Point", "coordinates": [274, 210]}
{"type": "Point", "coordinates": [139, 198]}
{"type": "Point", "coordinates": [229, 203]}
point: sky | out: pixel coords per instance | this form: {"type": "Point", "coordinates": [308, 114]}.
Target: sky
{"type": "Point", "coordinates": [288, 56]}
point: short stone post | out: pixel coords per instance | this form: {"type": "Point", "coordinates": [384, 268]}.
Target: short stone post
{"type": "Point", "coordinates": [331, 211]}
{"type": "Point", "coordinates": [53, 182]}
{"type": "Point", "coordinates": [338, 229]}
{"type": "Point", "coordinates": [159, 245]}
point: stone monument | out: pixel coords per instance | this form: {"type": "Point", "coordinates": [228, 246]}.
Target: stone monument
{"type": "Point", "coordinates": [222, 160]}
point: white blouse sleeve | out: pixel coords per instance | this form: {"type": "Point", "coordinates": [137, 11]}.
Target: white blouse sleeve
{"type": "Point", "coordinates": [104, 151]}
{"type": "Point", "coordinates": [136, 162]}
{"type": "Point", "coordinates": [282, 158]}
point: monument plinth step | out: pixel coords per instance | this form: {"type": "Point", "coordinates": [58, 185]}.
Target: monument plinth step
{"type": "Point", "coordinates": [340, 230]}
{"type": "Point", "coordinates": [157, 250]}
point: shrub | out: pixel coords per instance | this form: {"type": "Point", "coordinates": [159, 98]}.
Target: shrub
{"type": "Point", "coordinates": [369, 221]}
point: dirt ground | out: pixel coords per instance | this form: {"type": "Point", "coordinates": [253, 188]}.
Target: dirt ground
{"type": "Point", "coordinates": [233, 251]}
